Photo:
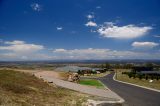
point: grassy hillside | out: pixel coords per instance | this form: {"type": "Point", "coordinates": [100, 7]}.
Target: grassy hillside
{"type": "Point", "coordinates": [123, 77]}
{"type": "Point", "coordinates": [21, 89]}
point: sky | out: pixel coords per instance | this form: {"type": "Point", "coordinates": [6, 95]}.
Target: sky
{"type": "Point", "coordinates": [79, 29]}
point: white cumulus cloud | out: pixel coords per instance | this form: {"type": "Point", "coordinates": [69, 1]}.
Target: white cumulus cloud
{"type": "Point", "coordinates": [144, 44]}
{"type": "Point", "coordinates": [59, 28]}
{"type": "Point", "coordinates": [59, 50]}
{"type": "Point", "coordinates": [91, 53]}
{"type": "Point", "coordinates": [15, 42]}
{"type": "Point", "coordinates": [20, 46]}
{"type": "Point", "coordinates": [20, 50]}
{"type": "Point", "coordinates": [90, 16]}
{"type": "Point", "coordinates": [157, 36]}
{"type": "Point", "coordinates": [98, 7]}
{"type": "Point", "coordinates": [36, 7]}
{"type": "Point", "coordinates": [109, 30]}
{"type": "Point", "coordinates": [91, 24]}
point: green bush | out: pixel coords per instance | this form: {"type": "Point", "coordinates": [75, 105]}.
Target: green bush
{"type": "Point", "coordinates": [146, 77]}
{"type": "Point", "coordinates": [130, 75]}
{"type": "Point", "coordinates": [157, 78]}
{"type": "Point", "coordinates": [140, 77]}
{"type": "Point", "coordinates": [134, 75]}
{"type": "Point", "coordinates": [152, 77]}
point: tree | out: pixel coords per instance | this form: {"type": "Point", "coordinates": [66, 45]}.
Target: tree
{"type": "Point", "coordinates": [149, 64]}
{"type": "Point", "coordinates": [107, 65]}
{"type": "Point", "coordinates": [130, 75]}
{"type": "Point", "coordinates": [140, 77]}
{"type": "Point", "coordinates": [146, 77]}
{"type": "Point", "coordinates": [157, 77]}
{"type": "Point", "coordinates": [79, 72]}
{"type": "Point", "coordinates": [127, 66]}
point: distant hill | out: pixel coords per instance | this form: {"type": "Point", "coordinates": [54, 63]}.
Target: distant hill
{"type": "Point", "coordinates": [87, 61]}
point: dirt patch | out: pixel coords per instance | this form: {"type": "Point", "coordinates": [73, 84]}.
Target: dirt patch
{"type": "Point", "coordinates": [49, 74]}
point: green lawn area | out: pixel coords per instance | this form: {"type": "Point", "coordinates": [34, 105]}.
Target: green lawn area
{"type": "Point", "coordinates": [91, 82]}
{"type": "Point", "coordinates": [122, 77]}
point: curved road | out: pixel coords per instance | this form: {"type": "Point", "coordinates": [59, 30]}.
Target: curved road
{"type": "Point", "coordinates": [133, 96]}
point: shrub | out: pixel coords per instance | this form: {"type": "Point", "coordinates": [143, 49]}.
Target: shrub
{"type": "Point", "coordinates": [134, 75]}
{"type": "Point", "coordinates": [157, 78]}
{"type": "Point", "coordinates": [152, 77]}
{"type": "Point", "coordinates": [140, 77]}
{"type": "Point", "coordinates": [130, 75]}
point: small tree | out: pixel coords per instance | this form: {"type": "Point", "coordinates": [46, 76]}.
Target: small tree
{"type": "Point", "coordinates": [140, 77]}
{"type": "Point", "coordinates": [107, 65]}
{"type": "Point", "coordinates": [130, 75]}
{"type": "Point", "coordinates": [134, 75]}
{"type": "Point", "coordinates": [146, 77]}
{"type": "Point", "coordinates": [157, 77]}
{"type": "Point", "coordinates": [152, 77]}
{"type": "Point", "coordinates": [79, 72]}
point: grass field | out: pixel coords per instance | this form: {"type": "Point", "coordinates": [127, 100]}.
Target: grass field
{"type": "Point", "coordinates": [21, 89]}
{"type": "Point", "coordinates": [122, 77]}
{"type": "Point", "coordinates": [91, 82]}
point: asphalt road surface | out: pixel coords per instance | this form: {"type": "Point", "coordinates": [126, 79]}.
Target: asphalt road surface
{"type": "Point", "coordinates": [133, 96]}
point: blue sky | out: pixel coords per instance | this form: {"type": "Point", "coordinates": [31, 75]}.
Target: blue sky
{"type": "Point", "coordinates": [79, 29]}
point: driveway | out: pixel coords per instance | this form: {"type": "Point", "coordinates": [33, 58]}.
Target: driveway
{"type": "Point", "coordinates": [133, 96]}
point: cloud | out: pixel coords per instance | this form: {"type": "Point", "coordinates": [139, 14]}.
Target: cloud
{"type": "Point", "coordinates": [59, 50]}
{"type": "Point", "coordinates": [73, 32]}
{"type": "Point", "coordinates": [17, 57]}
{"type": "Point", "coordinates": [21, 47]}
{"type": "Point", "coordinates": [90, 53]}
{"type": "Point", "coordinates": [147, 45]}
{"type": "Point", "coordinates": [90, 16]}
{"type": "Point", "coordinates": [98, 7]}
{"type": "Point", "coordinates": [110, 30]}
{"type": "Point", "coordinates": [15, 42]}
{"type": "Point", "coordinates": [20, 50]}
{"type": "Point", "coordinates": [157, 36]}
{"type": "Point", "coordinates": [1, 40]}
{"type": "Point", "coordinates": [36, 7]}
{"type": "Point", "coordinates": [91, 24]}
{"type": "Point", "coordinates": [79, 51]}
{"type": "Point", "coordinates": [59, 28]}
{"type": "Point", "coordinates": [93, 31]}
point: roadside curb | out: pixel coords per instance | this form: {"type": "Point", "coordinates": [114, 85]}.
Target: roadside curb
{"type": "Point", "coordinates": [152, 89]}
{"type": "Point", "coordinates": [97, 103]}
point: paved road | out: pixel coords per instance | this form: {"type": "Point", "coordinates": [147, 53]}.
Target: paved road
{"type": "Point", "coordinates": [133, 96]}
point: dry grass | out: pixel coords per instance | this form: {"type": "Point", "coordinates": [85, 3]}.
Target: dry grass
{"type": "Point", "coordinates": [64, 75]}
{"type": "Point", "coordinates": [21, 89]}
{"type": "Point", "coordinates": [123, 77]}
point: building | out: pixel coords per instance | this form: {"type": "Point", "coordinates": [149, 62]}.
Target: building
{"type": "Point", "coordinates": [145, 70]}
{"type": "Point", "coordinates": [136, 69]}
